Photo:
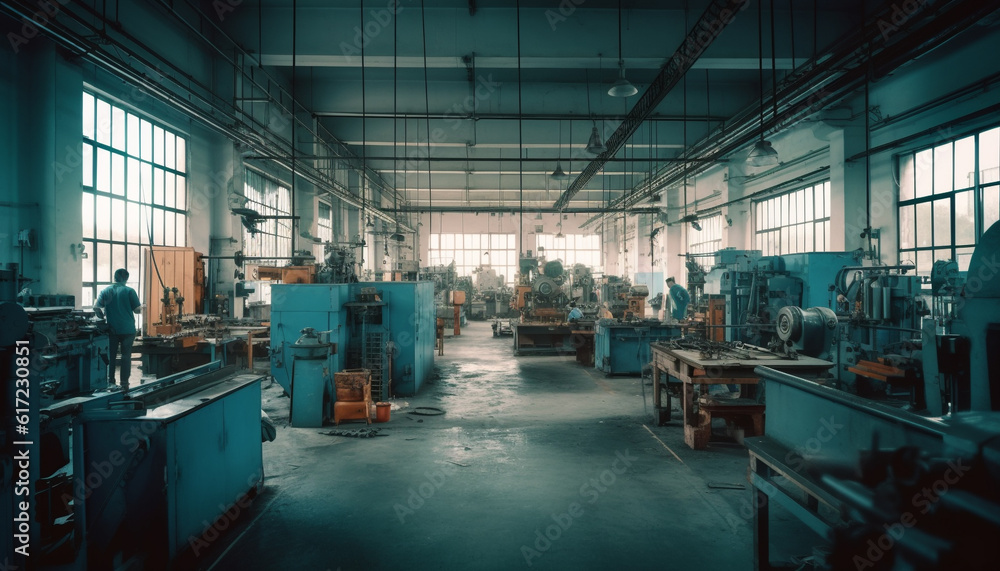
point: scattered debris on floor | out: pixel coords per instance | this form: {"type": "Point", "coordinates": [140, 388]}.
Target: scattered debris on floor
{"type": "Point", "coordinates": [458, 463]}
{"type": "Point", "coordinates": [356, 433]}
{"type": "Point", "coordinates": [726, 486]}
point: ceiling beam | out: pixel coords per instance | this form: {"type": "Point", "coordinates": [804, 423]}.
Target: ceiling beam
{"type": "Point", "coordinates": [715, 19]}
{"type": "Point", "coordinates": [510, 62]}
{"type": "Point", "coordinates": [511, 116]}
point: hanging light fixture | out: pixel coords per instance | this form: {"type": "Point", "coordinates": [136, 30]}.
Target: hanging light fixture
{"type": "Point", "coordinates": [559, 173]}
{"type": "Point", "coordinates": [762, 154]}
{"type": "Point", "coordinates": [622, 87]}
{"type": "Point", "coordinates": [594, 146]}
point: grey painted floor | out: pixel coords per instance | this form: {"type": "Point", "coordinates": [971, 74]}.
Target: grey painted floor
{"type": "Point", "coordinates": [528, 446]}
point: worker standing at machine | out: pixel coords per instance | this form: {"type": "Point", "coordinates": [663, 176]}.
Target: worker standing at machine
{"type": "Point", "coordinates": [574, 313]}
{"type": "Point", "coordinates": [679, 298]}
{"type": "Point", "coordinates": [118, 303]}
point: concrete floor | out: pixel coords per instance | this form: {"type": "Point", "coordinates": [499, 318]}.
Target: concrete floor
{"type": "Point", "coordinates": [528, 446]}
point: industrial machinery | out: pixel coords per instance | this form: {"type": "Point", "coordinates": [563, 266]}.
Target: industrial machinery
{"type": "Point", "coordinates": [446, 282]}
{"type": "Point", "coordinates": [312, 378]}
{"type": "Point", "coordinates": [114, 481]}
{"type": "Point", "coordinates": [621, 347]}
{"type": "Point", "coordinates": [541, 299]}
{"type": "Point", "coordinates": [391, 324]}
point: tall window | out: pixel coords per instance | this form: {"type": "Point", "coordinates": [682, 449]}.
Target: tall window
{"type": "Point", "coordinates": [940, 217]}
{"type": "Point", "coordinates": [797, 221]}
{"type": "Point", "coordinates": [572, 249]}
{"type": "Point", "coordinates": [708, 239]}
{"type": "Point", "coordinates": [469, 251]}
{"type": "Point", "coordinates": [273, 237]}
{"type": "Point", "coordinates": [134, 192]}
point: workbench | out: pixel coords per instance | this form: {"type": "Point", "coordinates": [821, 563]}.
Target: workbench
{"type": "Point", "coordinates": [164, 356]}
{"type": "Point", "coordinates": [695, 371]}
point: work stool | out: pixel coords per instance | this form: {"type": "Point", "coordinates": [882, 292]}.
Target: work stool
{"type": "Point", "coordinates": [745, 413]}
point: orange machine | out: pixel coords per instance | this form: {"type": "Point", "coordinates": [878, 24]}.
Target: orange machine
{"type": "Point", "coordinates": [182, 271]}
{"type": "Point", "coordinates": [286, 275]}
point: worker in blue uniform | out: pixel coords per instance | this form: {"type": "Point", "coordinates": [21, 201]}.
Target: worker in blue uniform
{"type": "Point", "coordinates": [679, 298]}
{"type": "Point", "coordinates": [574, 314]}
{"type": "Point", "coordinates": [117, 304]}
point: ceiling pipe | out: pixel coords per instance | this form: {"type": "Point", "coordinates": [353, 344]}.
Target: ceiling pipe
{"type": "Point", "coordinates": [207, 108]}
{"type": "Point", "coordinates": [828, 80]}
{"type": "Point", "coordinates": [716, 17]}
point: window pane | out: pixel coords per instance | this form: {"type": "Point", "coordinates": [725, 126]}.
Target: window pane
{"type": "Point", "coordinates": [118, 256]}
{"type": "Point", "coordinates": [965, 218]}
{"type": "Point", "coordinates": [103, 125]}
{"type": "Point", "coordinates": [118, 128]}
{"type": "Point", "coordinates": [169, 228]}
{"type": "Point", "coordinates": [146, 140]}
{"type": "Point", "coordinates": [169, 189]}
{"type": "Point", "coordinates": [88, 116]}
{"type": "Point", "coordinates": [87, 156]}
{"type": "Point", "coordinates": [117, 220]}
{"type": "Point", "coordinates": [158, 186]}
{"type": "Point", "coordinates": [942, 222]}
{"type": "Point", "coordinates": [963, 256]}
{"type": "Point", "coordinates": [169, 150]}
{"type": "Point", "coordinates": [924, 262]}
{"type": "Point", "coordinates": [906, 177]}
{"type": "Point", "coordinates": [103, 262]}
{"type": "Point", "coordinates": [181, 158]}
{"type": "Point", "coordinates": [118, 174]}
{"type": "Point", "coordinates": [134, 230]}
{"type": "Point", "coordinates": [906, 227]}
{"type": "Point", "coordinates": [924, 224]}
{"type": "Point", "coordinates": [133, 135]}
{"type": "Point", "coordinates": [989, 156]}
{"type": "Point", "coordinates": [157, 145]}
{"type": "Point", "coordinates": [132, 260]}
{"type": "Point", "coordinates": [103, 170]}
{"type": "Point", "coordinates": [88, 215]}
{"type": "Point", "coordinates": [88, 263]}
{"type": "Point", "coordinates": [103, 215]}
{"type": "Point", "coordinates": [944, 175]}
{"type": "Point", "coordinates": [923, 175]}
{"type": "Point", "coordinates": [965, 163]}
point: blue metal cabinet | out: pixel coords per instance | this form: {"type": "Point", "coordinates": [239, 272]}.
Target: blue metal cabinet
{"type": "Point", "coordinates": [176, 468]}
{"type": "Point", "coordinates": [623, 348]}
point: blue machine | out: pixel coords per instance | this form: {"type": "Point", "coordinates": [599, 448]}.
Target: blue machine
{"type": "Point", "coordinates": [622, 348]}
{"type": "Point", "coordinates": [817, 271]}
{"type": "Point", "coordinates": [295, 307]}
{"type": "Point", "coordinates": [404, 325]}
{"type": "Point", "coordinates": [180, 451]}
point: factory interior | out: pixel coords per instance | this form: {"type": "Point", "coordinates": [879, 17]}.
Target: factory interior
{"type": "Point", "coordinates": [483, 284]}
